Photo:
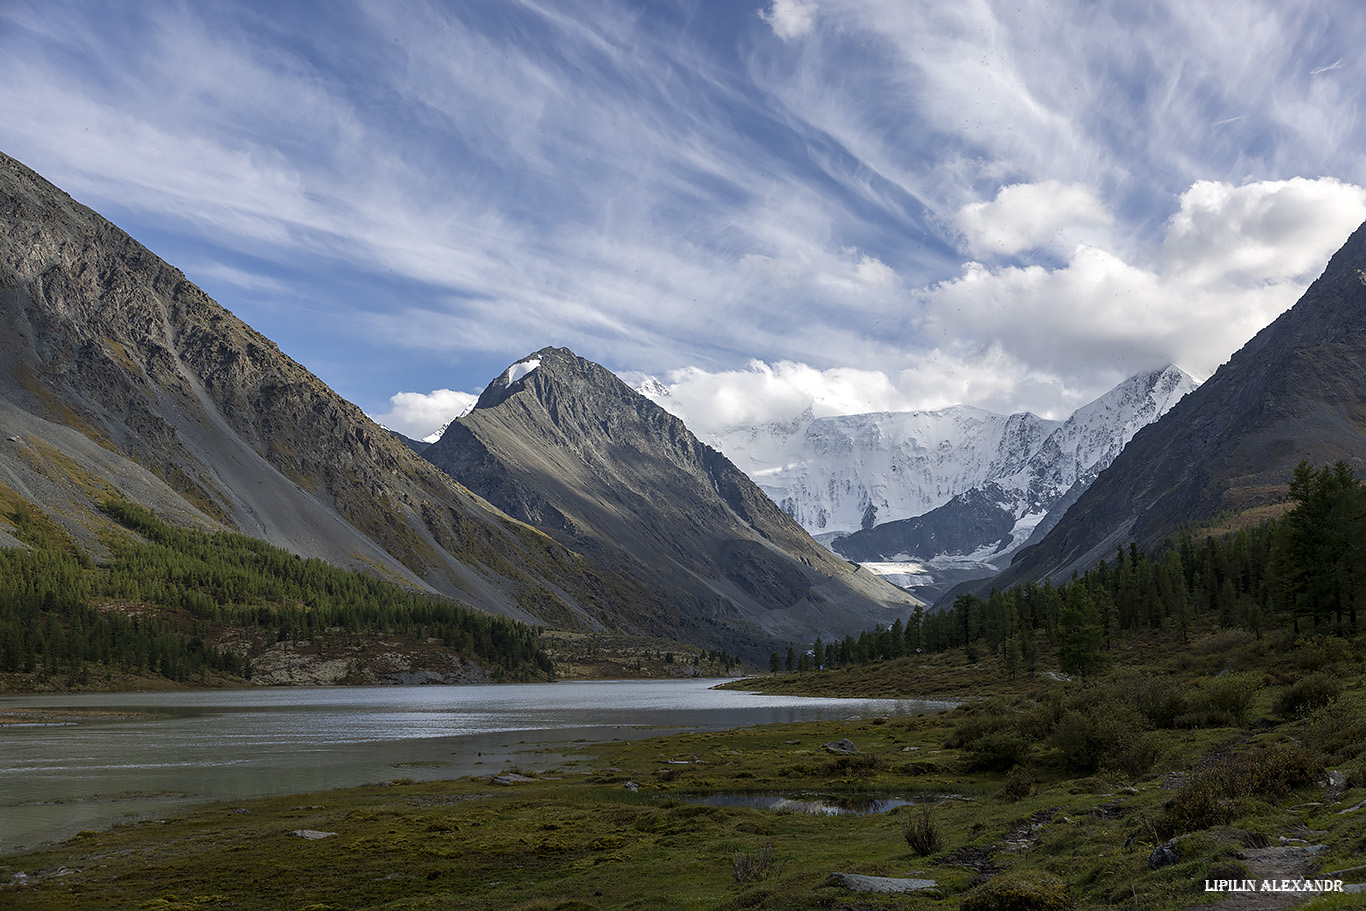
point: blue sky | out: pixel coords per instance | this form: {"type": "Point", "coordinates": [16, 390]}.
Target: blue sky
{"type": "Point", "coordinates": [851, 205]}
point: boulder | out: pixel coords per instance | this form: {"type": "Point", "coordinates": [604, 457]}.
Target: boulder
{"type": "Point", "coordinates": [1164, 855]}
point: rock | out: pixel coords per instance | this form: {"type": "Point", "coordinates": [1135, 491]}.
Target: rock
{"type": "Point", "coordinates": [841, 746]}
{"type": "Point", "coordinates": [884, 884]}
{"type": "Point", "coordinates": [311, 834]}
{"type": "Point", "coordinates": [632, 786]}
{"type": "Point", "coordinates": [1164, 855]}
{"type": "Point", "coordinates": [509, 778]}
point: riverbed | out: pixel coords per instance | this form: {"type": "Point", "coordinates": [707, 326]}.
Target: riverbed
{"type": "Point", "coordinates": [91, 761]}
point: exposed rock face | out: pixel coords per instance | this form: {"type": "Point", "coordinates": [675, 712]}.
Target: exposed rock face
{"type": "Point", "coordinates": [120, 377]}
{"type": "Point", "coordinates": [1295, 391]}
{"type": "Point", "coordinates": [564, 445]}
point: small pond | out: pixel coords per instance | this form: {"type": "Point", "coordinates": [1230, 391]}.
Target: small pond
{"type": "Point", "coordinates": [810, 804]}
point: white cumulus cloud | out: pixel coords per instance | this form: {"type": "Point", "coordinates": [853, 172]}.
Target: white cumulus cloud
{"type": "Point", "coordinates": [1233, 259]}
{"type": "Point", "coordinates": [419, 415]}
{"type": "Point", "coordinates": [1030, 216]}
{"type": "Point", "coordinates": [1270, 230]}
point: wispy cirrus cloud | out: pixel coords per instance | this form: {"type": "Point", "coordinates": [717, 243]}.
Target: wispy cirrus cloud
{"type": "Point", "coordinates": [929, 192]}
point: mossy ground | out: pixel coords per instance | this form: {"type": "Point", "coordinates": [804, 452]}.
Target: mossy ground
{"type": "Point", "coordinates": [578, 837]}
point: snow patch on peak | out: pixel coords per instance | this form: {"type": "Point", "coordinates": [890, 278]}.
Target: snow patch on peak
{"type": "Point", "coordinates": [653, 389]}
{"type": "Point", "coordinates": [517, 371]}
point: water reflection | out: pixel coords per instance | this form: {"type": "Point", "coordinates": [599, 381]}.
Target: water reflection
{"type": "Point", "coordinates": [810, 805]}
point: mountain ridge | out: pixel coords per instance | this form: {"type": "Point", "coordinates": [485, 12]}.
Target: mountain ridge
{"type": "Point", "coordinates": [565, 445]}
{"type": "Point", "coordinates": [121, 378]}
{"type": "Point", "coordinates": [1296, 391]}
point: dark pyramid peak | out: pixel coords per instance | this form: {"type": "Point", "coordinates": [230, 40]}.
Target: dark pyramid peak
{"type": "Point", "coordinates": [555, 366]}
{"type": "Point", "coordinates": [563, 444]}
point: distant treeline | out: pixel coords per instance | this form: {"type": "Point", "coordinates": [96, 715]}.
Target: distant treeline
{"type": "Point", "coordinates": [181, 585]}
{"type": "Point", "coordinates": [1305, 570]}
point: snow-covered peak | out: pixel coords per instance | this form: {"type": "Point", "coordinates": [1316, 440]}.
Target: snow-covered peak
{"type": "Point", "coordinates": [840, 474]}
{"type": "Point", "coordinates": [653, 389]}
{"type": "Point", "coordinates": [843, 473]}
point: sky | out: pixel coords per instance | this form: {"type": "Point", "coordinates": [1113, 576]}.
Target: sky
{"type": "Point", "coordinates": [768, 205]}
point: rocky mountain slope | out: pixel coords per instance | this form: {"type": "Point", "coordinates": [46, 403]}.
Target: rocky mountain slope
{"type": "Point", "coordinates": [1296, 391]}
{"type": "Point", "coordinates": [120, 378]}
{"type": "Point", "coordinates": [564, 445]}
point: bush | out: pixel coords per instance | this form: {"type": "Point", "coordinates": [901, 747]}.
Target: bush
{"type": "Point", "coordinates": [921, 831]}
{"type": "Point", "coordinates": [1217, 795]}
{"type": "Point", "coordinates": [1222, 701]}
{"type": "Point", "coordinates": [755, 866]}
{"type": "Point", "coordinates": [1308, 694]}
{"type": "Point", "coordinates": [857, 764]}
{"type": "Point", "coordinates": [990, 738]}
{"type": "Point", "coordinates": [1097, 731]}
{"type": "Point", "coordinates": [1018, 785]}
{"type": "Point", "coordinates": [1019, 891]}
{"type": "Point", "coordinates": [1161, 700]}
{"type": "Point", "coordinates": [1337, 731]}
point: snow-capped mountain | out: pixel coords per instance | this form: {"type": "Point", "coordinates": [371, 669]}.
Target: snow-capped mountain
{"type": "Point", "coordinates": [990, 521]}
{"type": "Point", "coordinates": [841, 474]}
{"type": "Point", "coordinates": [942, 492]}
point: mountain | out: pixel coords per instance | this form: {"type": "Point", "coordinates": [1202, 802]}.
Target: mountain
{"type": "Point", "coordinates": [993, 519]}
{"type": "Point", "coordinates": [121, 379]}
{"type": "Point", "coordinates": [942, 496]}
{"type": "Point", "coordinates": [1296, 391]}
{"type": "Point", "coordinates": [564, 445]}
{"type": "Point", "coordinates": [845, 473]}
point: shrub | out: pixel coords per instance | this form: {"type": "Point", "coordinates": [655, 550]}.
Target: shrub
{"type": "Point", "coordinates": [921, 831]}
{"type": "Point", "coordinates": [1095, 731]}
{"type": "Point", "coordinates": [749, 866]}
{"type": "Point", "coordinates": [1217, 795]}
{"type": "Point", "coordinates": [1222, 701]}
{"type": "Point", "coordinates": [857, 764]}
{"type": "Point", "coordinates": [1018, 785]}
{"type": "Point", "coordinates": [1019, 891]}
{"type": "Point", "coordinates": [1338, 731]}
{"type": "Point", "coordinates": [1308, 694]}
{"type": "Point", "coordinates": [1161, 700]}
{"type": "Point", "coordinates": [1217, 643]}
{"type": "Point", "coordinates": [990, 738]}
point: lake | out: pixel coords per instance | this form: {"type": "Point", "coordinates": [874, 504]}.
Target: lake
{"type": "Point", "coordinates": [156, 754]}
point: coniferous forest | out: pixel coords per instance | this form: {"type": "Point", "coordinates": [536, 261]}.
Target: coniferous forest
{"type": "Point", "coordinates": [155, 605]}
{"type": "Point", "coordinates": [1304, 571]}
